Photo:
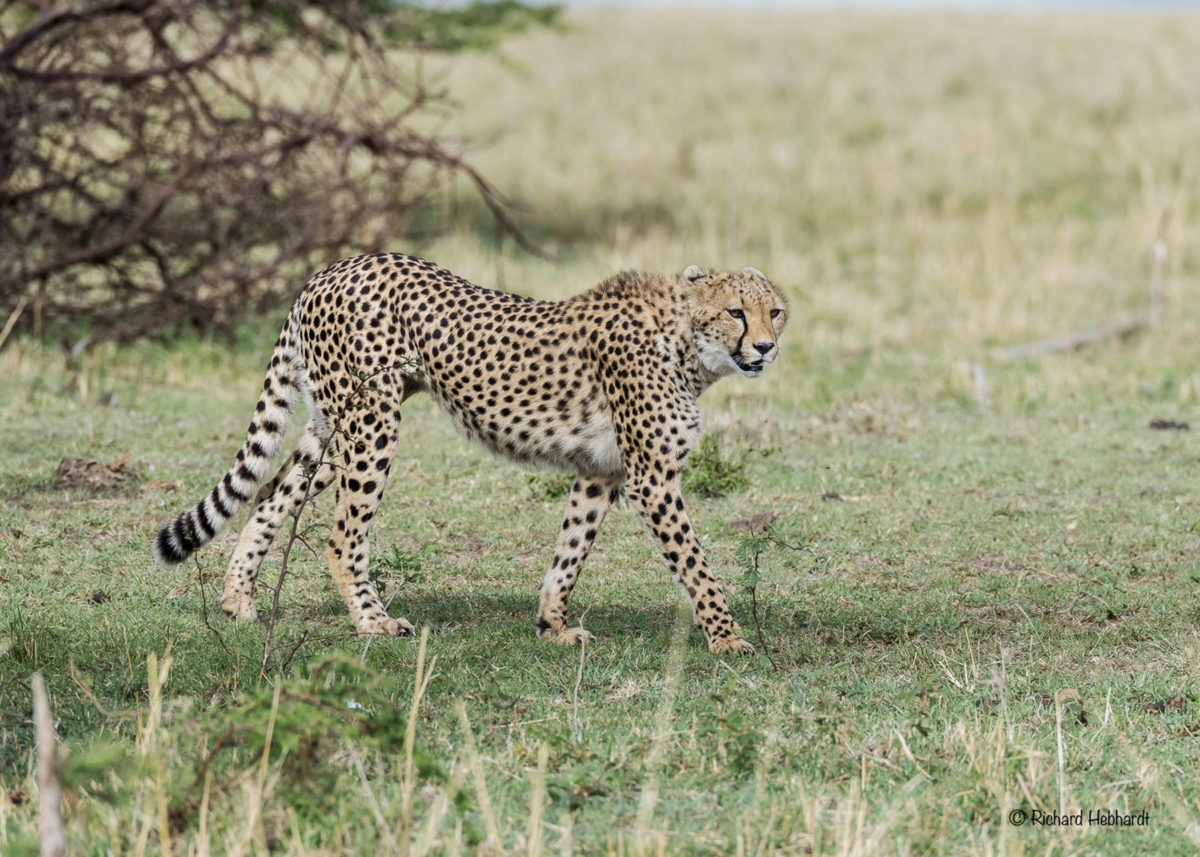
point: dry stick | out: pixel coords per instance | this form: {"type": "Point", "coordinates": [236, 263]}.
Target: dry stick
{"type": "Point", "coordinates": [285, 661]}
{"type": "Point", "coordinates": [778, 542]}
{"type": "Point", "coordinates": [1068, 341]}
{"type": "Point", "coordinates": [50, 826]}
{"type": "Point", "coordinates": [754, 613]}
{"type": "Point", "coordinates": [98, 255]}
{"type": "Point", "coordinates": [1121, 328]}
{"type": "Point", "coordinates": [301, 538]}
{"type": "Point", "coordinates": [204, 612]}
{"type": "Point", "coordinates": [269, 635]}
{"type": "Point", "coordinates": [12, 319]}
{"type": "Point", "coordinates": [307, 637]}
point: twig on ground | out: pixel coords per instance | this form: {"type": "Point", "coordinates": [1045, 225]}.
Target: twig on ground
{"type": "Point", "coordinates": [1067, 341]}
{"type": "Point", "coordinates": [273, 616]}
{"type": "Point", "coordinates": [748, 553]}
{"type": "Point", "coordinates": [207, 624]}
{"type": "Point", "coordinates": [754, 613]}
{"type": "Point", "coordinates": [1127, 327]}
{"type": "Point", "coordinates": [306, 498]}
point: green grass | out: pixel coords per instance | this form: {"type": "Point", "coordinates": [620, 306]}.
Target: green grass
{"type": "Point", "coordinates": [985, 607]}
{"type": "Point", "coordinates": [976, 565]}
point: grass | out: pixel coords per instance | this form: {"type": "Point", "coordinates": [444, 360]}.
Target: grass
{"type": "Point", "coordinates": [988, 608]}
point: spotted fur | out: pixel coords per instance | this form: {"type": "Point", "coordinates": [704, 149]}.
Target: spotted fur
{"type": "Point", "coordinates": [603, 385]}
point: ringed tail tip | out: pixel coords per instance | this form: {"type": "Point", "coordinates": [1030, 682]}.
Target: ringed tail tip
{"type": "Point", "coordinates": [170, 547]}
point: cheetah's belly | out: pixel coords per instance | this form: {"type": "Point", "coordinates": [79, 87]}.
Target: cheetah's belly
{"type": "Point", "coordinates": [581, 443]}
{"type": "Point", "coordinates": [596, 451]}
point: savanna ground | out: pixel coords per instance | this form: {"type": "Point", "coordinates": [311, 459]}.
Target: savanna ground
{"type": "Point", "coordinates": [986, 606]}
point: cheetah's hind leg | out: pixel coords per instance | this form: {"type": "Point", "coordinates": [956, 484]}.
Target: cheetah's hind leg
{"type": "Point", "coordinates": [280, 497]}
{"type": "Point", "coordinates": [364, 459]}
{"type": "Point", "coordinates": [587, 504]}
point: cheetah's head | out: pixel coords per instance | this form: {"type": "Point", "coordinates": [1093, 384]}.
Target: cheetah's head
{"type": "Point", "coordinates": [736, 319]}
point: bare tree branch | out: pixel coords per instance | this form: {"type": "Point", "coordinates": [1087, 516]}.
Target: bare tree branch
{"type": "Point", "coordinates": [153, 167]}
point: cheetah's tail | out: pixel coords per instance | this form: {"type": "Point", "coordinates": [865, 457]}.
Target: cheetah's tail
{"type": "Point", "coordinates": [283, 388]}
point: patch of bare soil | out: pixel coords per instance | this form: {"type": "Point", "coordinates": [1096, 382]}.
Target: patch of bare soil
{"type": "Point", "coordinates": [87, 475]}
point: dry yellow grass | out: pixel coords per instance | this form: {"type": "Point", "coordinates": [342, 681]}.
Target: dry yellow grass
{"type": "Point", "coordinates": [937, 182]}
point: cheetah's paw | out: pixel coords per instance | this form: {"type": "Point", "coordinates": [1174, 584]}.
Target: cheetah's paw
{"type": "Point", "coordinates": [388, 627]}
{"type": "Point", "coordinates": [730, 644]}
{"type": "Point", "coordinates": [240, 606]}
{"type": "Point", "coordinates": [567, 636]}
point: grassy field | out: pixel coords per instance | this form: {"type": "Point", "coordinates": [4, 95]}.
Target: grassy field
{"type": "Point", "coordinates": [988, 604]}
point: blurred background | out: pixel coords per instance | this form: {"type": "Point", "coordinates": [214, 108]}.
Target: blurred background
{"type": "Point", "coordinates": [930, 183]}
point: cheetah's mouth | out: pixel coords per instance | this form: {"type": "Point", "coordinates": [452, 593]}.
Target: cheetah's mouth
{"type": "Point", "coordinates": [749, 367]}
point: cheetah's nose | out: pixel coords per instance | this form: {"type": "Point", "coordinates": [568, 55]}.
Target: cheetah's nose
{"type": "Point", "coordinates": [763, 347]}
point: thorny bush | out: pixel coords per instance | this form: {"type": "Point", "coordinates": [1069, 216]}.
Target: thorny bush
{"type": "Point", "coordinates": [187, 160]}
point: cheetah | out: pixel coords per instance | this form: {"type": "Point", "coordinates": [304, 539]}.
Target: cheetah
{"type": "Point", "coordinates": [602, 385]}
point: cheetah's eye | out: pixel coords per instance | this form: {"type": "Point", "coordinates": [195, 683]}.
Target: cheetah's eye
{"type": "Point", "coordinates": [775, 313]}
{"type": "Point", "coordinates": [736, 313]}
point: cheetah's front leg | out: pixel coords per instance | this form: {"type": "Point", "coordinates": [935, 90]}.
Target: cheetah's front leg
{"type": "Point", "coordinates": [587, 504]}
{"type": "Point", "coordinates": [661, 505]}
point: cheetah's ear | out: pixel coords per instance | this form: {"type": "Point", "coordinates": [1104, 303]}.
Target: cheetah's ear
{"type": "Point", "coordinates": [694, 273]}
{"type": "Point", "coordinates": [754, 272]}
